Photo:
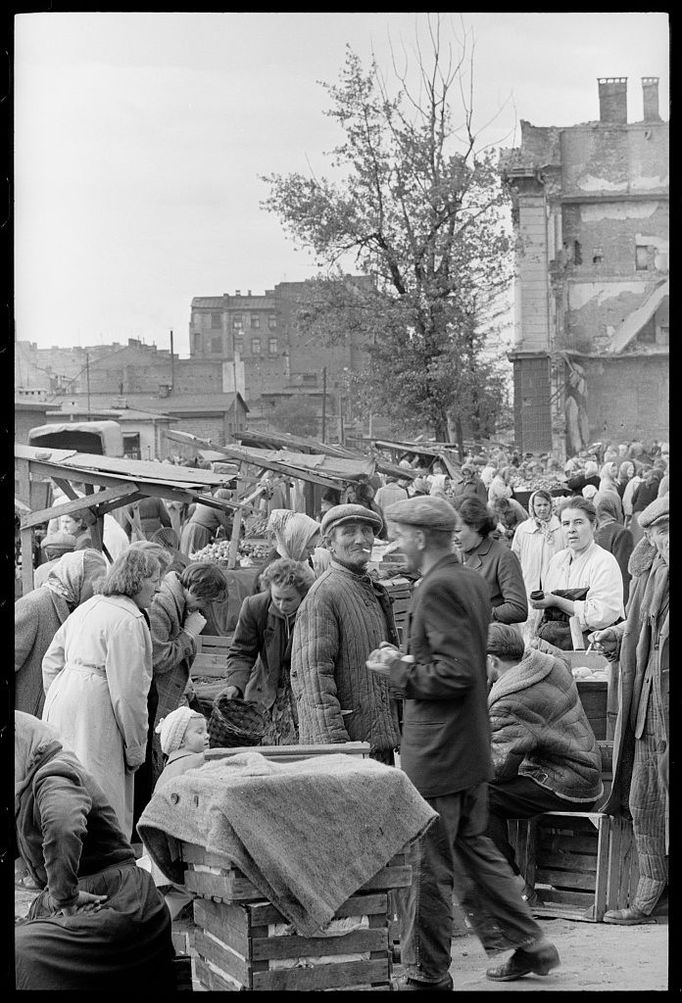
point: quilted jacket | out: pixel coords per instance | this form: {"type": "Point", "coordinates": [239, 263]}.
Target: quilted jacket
{"type": "Point", "coordinates": [540, 730]}
{"type": "Point", "coordinates": [342, 619]}
{"type": "Point", "coordinates": [172, 651]}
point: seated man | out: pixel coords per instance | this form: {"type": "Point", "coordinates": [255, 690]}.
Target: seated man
{"type": "Point", "coordinates": [545, 756]}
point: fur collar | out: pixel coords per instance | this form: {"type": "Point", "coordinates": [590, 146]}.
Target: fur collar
{"type": "Point", "coordinates": [533, 667]}
{"type": "Point", "coordinates": [641, 558]}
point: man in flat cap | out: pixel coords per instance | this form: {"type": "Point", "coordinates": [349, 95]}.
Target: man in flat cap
{"type": "Point", "coordinates": [445, 751]}
{"type": "Point", "coordinates": [640, 743]}
{"type": "Point", "coordinates": [342, 618]}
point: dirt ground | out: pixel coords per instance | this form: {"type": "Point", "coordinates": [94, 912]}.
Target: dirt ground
{"type": "Point", "coordinates": [595, 957]}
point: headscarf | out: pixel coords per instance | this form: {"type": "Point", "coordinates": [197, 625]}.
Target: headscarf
{"type": "Point", "coordinates": [609, 505]}
{"type": "Point", "coordinates": [542, 524]}
{"type": "Point", "coordinates": [293, 532]}
{"type": "Point", "coordinates": [589, 491]}
{"type": "Point", "coordinates": [32, 738]}
{"type": "Point", "coordinates": [74, 575]}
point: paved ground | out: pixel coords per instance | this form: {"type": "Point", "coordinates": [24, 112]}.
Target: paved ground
{"type": "Point", "coordinates": [595, 957]}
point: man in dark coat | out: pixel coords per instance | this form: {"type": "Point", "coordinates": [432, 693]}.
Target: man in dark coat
{"type": "Point", "coordinates": [445, 751]}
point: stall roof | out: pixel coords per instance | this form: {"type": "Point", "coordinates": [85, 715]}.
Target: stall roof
{"type": "Point", "coordinates": [318, 468]}
{"type": "Point", "coordinates": [434, 450]}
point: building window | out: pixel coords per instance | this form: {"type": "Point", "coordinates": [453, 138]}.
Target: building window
{"type": "Point", "coordinates": [642, 257]}
{"type": "Point", "coordinates": [216, 321]}
{"type": "Point", "coordinates": [255, 346]}
{"type": "Point", "coordinates": [197, 342]}
{"type": "Point", "coordinates": [597, 255]}
{"type": "Point", "coordinates": [272, 322]}
{"type": "Point", "coordinates": [577, 253]}
{"type": "Point", "coordinates": [239, 345]}
{"type": "Point", "coordinates": [236, 320]}
{"type": "Point", "coordinates": [255, 321]}
{"type": "Point", "coordinates": [272, 346]}
{"type": "Point", "coordinates": [217, 346]}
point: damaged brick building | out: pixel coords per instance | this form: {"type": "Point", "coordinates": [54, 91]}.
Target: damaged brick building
{"type": "Point", "coordinates": [590, 215]}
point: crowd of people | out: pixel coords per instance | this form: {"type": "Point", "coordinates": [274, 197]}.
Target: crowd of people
{"type": "Point", "coordinates": [511, 560]}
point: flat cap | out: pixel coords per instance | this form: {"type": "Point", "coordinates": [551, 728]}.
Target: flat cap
{"type": "Point", "coordinates": [349, 513]}
{"type": "Point", "coordinates": [431, 513]}
{"type": "Point", "coordinates": [59, 541]}
{"type": "Point", "coordinates": [656, 511]}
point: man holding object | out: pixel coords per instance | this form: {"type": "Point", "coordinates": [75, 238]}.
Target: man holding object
{"type": "Point", "coordinates": [445, 751]}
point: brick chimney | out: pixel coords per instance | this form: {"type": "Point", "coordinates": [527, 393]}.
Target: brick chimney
{"type": "Point", "coordinates": [650, 99]}
{"type": "Point", "coordinates": [613, 100]}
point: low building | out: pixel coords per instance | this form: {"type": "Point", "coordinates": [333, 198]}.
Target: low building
{"type": "Point", "coordinates": [591, 220]}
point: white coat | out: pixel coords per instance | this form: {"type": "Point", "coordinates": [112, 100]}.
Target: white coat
{"type": "Point", "coordinates": [96, 675]}
{"type": "Point", "coordinates": [534, 548]}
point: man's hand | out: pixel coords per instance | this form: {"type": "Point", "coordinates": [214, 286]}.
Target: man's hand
{"type": "Point", "coordinates": [86, 902]}
{"type": "Point", "coordinates": [608, 640]}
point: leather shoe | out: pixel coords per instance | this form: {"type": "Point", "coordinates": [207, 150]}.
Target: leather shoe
{"type": "Point", "coordinates": [412, 985]}
{"type": "Point", "coordinates": [627, 917]}
{"type": "Point", "coordinates": [539, 960]}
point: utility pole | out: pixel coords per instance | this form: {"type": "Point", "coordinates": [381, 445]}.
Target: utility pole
{"type": "Point", "coordinates": [87, 378]}
{"type": "Point", "coordinates": [172, 362]}
{"type": "Point", "coordinates": [324, 403]}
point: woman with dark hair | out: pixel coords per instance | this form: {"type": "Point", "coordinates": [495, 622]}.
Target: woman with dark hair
{"type": "Point", "coordinates": [96, 675]}
{"type": "Point", "coordinates": [583, 567]}
{"type": "Point", "coordinates": [178, 615]}
{"type": "Point", "coordinates": [259, 659]}
{"type": "Point", "coordinates": [492, 559]}
{"type": "Point", "coordinates": [98, 923]}
{"type": "Point", "coordinates": [38, 616]}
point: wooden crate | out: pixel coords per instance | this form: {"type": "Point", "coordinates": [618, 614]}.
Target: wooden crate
{"type": "Point", "coordinates": [210, 660]}
{"type": "Point", "coordinates": [580, 863]}
{"type": "Point", "coordinates": [235, 950]}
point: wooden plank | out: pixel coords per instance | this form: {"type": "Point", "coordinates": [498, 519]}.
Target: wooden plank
{"type": "Point", "coordinates": [570, 896]}
{"type": "Point", "coordinates": [219, 954]}
{"type": "Point", "coordinates": [390, 877]}
{"type": "Point", "coordinates": [228, 923]}
{"type": "Point", "coordinates": [26, 536]}
{"type": "Point", "coordinates": [562, 841]}
{"type": "Point", "coordinates": [339, 976]}
{"type": "Point", "coordinates": [66, 508]}
{"type": "Point", "coordinates": [357, 905]}
{"type": "Point", "coordinates": [293, 946]}
{"type": "Point", "coordinates": [602, 868]}
{"type": "Point", "coordinates": [191, 853]}
{"type": "Point", "coordinates": [281, 752]}
{"type": "Point", "coordinates": [564, 879]}
{"type": "Point", "coordinates": [226, 887]}
{"type": "Point", "coordinates": [581, 863]}
{"type": "Point", "coordinates": [208, 979]}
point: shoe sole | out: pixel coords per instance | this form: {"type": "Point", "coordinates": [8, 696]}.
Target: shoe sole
{"type": "Point", "coordinates": [539, 970]}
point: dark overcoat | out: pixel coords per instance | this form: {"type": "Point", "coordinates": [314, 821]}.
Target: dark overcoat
{"type": "Point", "coordinates": [445, 746]}
{"type": "Point", "coordinates": [261, 650]}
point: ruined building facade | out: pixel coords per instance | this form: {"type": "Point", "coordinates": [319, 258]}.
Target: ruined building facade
{"type": "Point", "coordinates": [590, 215]}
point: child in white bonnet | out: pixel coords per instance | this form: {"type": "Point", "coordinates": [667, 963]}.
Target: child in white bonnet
{"type": "Point", "coordinates": [184, 740]}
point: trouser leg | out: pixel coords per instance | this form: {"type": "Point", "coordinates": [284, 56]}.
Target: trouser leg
{"type": "Point", "coordinates": [520, 797]}
{"type": "Point", "coordinates": [485, 885]}
{"type": "Point", "coordinates": [648, 809]}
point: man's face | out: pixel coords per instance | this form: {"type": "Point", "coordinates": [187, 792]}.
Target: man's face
{"type": "Point", "coordinates": [410, 542]}
{"type": "Point", "coordinates": [351, 544]}
{"type": "Point", "coordinates": [659, 536]}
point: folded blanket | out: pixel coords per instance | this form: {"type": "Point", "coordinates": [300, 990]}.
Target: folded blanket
{"type": "Point", "coordinates": [307, 834]}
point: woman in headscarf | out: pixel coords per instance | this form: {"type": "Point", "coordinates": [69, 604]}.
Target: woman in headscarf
{"type": "Point", "coordinates": [259, 659]}
{"type": "Point", "coordinates": [612, 535]}
{"type": "Point", "coordinates": [297, 537]}
{"type": "Point", "coordinates": [99, 924]}
{"type": "Point", "coordinates": [96, 676]}
{"type": "Point", "coordinates": [203, 524]}
{"type": "Point", "coordinates": [500, 486]}
{"type": "Point", "coordinates": [535, 543]}
{"type": "Point", "coordinates": [39, 614]}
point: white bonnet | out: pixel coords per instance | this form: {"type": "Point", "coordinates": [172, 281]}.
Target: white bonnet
{"type": "Point", "coordinates": [172, 728]}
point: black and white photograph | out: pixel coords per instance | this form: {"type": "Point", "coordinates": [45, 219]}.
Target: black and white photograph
{"type": "Point", "coordinates": [341, 486]}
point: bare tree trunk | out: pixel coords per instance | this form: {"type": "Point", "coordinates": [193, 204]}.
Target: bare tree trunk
{"type": "Point", "coordinates": [459, 435]}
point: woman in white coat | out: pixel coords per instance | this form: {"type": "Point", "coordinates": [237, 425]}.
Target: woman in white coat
{"type": "Point", "coordinates": [535, 542]}
{"type": "Point", "coordinates": [96, 676]}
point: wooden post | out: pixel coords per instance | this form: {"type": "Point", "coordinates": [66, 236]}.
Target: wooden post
{"type": "Point", "coordinates": [234, 540]}
{"type": "Point", "coordinates": [26, 560]}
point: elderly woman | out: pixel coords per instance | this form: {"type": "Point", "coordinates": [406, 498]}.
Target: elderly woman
{"type": "Point", "coordinates": [584, 569]}
{"type": "Point", "coordinates": [492, 559]}
{"type": "Point", "coordinates": [612, 535]}
{"type": "Point", "coordinates": [38, 616]}
{"type": "Point", "coordinates": [259, 659]}
{"type": "Point", "coordinates": [96, 676]}
{"type": "Point", "coordinates": [535, 543]}
{"type": "Point", "coordinates": [640, 744]}
{"type": "Point", "coordinates": [99, 923]}
{"type": "Point", "coordinates": [500, 486]}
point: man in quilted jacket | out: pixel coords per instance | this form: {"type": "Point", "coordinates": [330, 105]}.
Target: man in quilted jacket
{"type": "Point", "coordinates": [545, 756]}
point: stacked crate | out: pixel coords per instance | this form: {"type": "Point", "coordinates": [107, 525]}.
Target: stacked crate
{"type": "Point", "coordinates": [236, 947]}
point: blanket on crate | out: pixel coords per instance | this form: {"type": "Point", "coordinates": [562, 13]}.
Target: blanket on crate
{"type": "Point", "coordinates": [307, 834]}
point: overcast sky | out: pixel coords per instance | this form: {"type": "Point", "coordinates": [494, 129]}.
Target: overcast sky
{"type": "Point", "coordinates": [140, 138]}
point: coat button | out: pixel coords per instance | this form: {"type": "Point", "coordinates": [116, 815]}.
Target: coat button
{"type": "Point", "coordinates": [174, 798]}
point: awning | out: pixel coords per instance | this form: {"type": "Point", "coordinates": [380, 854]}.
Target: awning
{"type": "Point", "coordinates": [634, 323]}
